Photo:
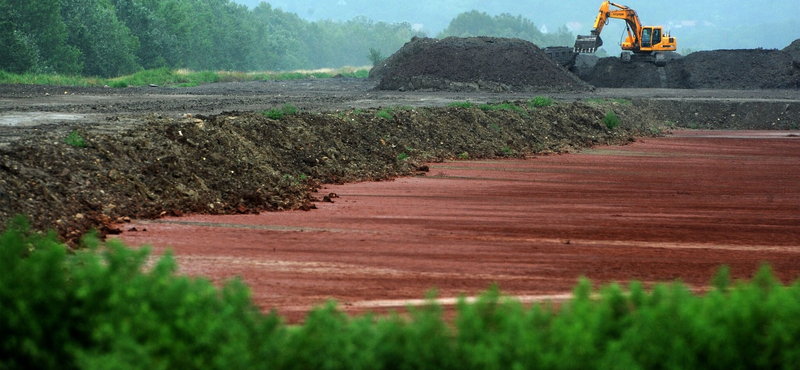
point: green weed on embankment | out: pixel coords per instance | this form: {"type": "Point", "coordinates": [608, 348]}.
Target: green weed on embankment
{"type": "Point", "coordinates": [101, 308]}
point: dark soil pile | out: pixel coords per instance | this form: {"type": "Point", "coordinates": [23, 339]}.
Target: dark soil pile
{"type": "Point", "coordinates": [740, 69]}
{"type": "Point", "coordinates": [246, 162]}
{"type": "Point", "coordinates": [611, 72]}
{"type": "Point", "coordinates": [794, 50]}
{"type": "Point", "coordinates": [474, 64]}
{"type": "Point", "coordinates": [717, 69]}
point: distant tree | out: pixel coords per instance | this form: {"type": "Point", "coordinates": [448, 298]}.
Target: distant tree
{"type": "Point", "coordinates": [33, 38]}
{"type": "Point", "coordinates": [375, 56]}
{"type": "Point", "coordinates": [475, 23]}
{"type": "Point", "coordinates": [107, 46]}
{"type": "Point", "coordinates": [157, 43]}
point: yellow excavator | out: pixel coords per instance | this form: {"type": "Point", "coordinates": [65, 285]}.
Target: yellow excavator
{"type": "Point", "coordinates": [645, 42]}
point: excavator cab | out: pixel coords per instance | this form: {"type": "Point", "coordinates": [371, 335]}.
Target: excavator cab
{"type": "Point", "coordinates": [653, 39]}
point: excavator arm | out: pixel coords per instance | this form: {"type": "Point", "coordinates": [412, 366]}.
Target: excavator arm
{"type": "Point", "coordinates": [590, 44]}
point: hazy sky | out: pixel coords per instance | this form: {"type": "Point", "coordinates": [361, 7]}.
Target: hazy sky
{"type": "Point", "coordinates": [697, 24]}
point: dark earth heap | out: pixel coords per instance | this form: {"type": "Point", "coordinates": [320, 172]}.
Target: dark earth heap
{"type": "Point", "coordinates": [474, 64]}
{"type": "Point", "coordinates": [745, 69]}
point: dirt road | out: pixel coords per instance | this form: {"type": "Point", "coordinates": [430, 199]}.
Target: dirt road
{"type": "Point", "coordinates": [661, 209]}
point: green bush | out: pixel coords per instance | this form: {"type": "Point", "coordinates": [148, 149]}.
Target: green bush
{"type": "Point", "coordinates": [289, 110]}
{"type": "Point", "coordinates": [610, 120]}
{"type": "Point", "coordinates": [273, 113]}
{"type": "Point", "coordinates": [540, 102]}
{"type": "Point", "coordinates": [100, 308]}
{"type": "Point", "coordinates": [385, 113]}
{"type": "Point", "coordinates": [75, 139]}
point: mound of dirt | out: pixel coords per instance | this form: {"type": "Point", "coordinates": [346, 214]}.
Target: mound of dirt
{"type": "Point", "coordinates": [747, 69]}
{"type": "Point", "coordinates": [740, 69]}
{"type": "Point", "coordinates": [246, 162]}
{"type": "Point", "coordinates": [794, 50]}
{"type": "Point", "coordinates": [611, 72]}
{"type": "Point", "coordinates": [474, 64]}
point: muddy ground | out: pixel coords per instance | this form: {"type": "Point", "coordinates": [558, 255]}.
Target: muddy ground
{"type": "Point", "coordinates": [161, 151]}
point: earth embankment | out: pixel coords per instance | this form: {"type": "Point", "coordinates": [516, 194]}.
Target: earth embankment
{"type": "Point", "coordinates": [242, 162]}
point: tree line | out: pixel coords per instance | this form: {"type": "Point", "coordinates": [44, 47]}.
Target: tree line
{"type": "Point", "coordinates": [108, 38]}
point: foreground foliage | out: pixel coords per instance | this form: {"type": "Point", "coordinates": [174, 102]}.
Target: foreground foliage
{"type": "Point", "coordinates": [107, 307]}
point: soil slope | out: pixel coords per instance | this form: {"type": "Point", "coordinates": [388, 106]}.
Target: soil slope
{"type": "Point", "coordinates": [246, 162]}
{"type": "Point", "coordinates": [474, 64]}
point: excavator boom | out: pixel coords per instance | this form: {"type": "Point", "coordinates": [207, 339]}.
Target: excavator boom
{"type": "Point", "coordinates": [640, 39]}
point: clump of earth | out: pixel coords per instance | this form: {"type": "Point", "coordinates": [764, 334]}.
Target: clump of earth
{"type": "Point", "coordinates": [746, 69]}
{"type": "Point", "coordinates": [474, 64]}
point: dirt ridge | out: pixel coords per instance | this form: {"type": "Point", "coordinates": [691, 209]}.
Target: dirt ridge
{"type": "Point", "coordinates": [241, 162]}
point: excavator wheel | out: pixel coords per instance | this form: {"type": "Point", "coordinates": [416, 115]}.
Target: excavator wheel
{"type": "Point", "coordinates": [625, 57]}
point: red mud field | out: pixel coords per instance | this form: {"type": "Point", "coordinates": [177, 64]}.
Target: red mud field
{"type": "Point", "coordinates": [660, 209]}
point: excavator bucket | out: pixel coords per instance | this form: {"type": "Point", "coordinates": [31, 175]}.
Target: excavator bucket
{"type": "Point", "coordinates": [588, 44]}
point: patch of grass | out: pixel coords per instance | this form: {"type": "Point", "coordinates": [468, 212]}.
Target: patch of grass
{"type": "Point", "coordinates": [385, 113]}
{"type": "Point", "coordinates": [494, 127]}
{"type": "Point", "coordinates": [463, 155]}
{"type": "Point", "coordinates": [507, 151]}
{"type": "Point", "coordinates": [610, 120]}
{"type": "Point", "coordinates": [461, 104]}
{"type": "Point", "coordinates": [178, 78]}
{"type": "Point", "coordinates": [273, 113]}
{"type": "Point", "coordinates": [501, 106]}
{"type": "Point", "coordinates": [402, 157]}
{"type": "Point", "coordinates": [278, 113]}
{"type": "Point", "coordinates": [74, 139]}
{"type": "Point", "coordinates": [540, 102]}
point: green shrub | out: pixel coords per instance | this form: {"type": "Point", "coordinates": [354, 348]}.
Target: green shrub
{"type": "Point", "coordinates": [74, 139]}
{"type": "Point", "coordinates": [118, 84]}
{"type": "Point", "coordinates": [540, 102]}
{"type": "Point", "coordinates": [402, 156]}
{"type": "Point", "coordinates": [273, 113]}
{"type": "Point", "coordinates": [101, 307]}
{"type": "Point", "coordinates": [385, 113]}
{"type": "Point", "coordinates": [610, 120]}
{"type": "Point", "coordinates": [289, 110]}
